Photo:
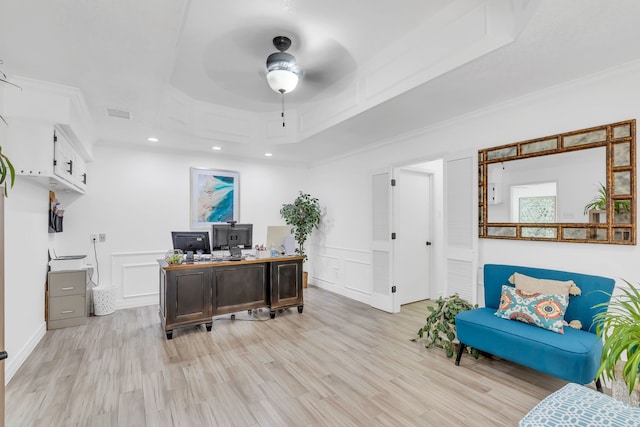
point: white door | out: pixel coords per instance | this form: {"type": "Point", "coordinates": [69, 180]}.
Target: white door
{"type": "Point", "coordinates": [383, 294]}
{"type": "Point", "coordinates": [412, 227]}
{"type": "Point", "coordinates": [461, 225]}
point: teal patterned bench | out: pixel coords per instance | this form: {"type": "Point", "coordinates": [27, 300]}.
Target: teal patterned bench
{"type": "Point", "coordinates": [575, 405]}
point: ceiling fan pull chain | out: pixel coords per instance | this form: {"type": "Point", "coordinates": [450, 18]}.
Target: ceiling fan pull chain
{"type": "Point", "coordinates": [282, 114]}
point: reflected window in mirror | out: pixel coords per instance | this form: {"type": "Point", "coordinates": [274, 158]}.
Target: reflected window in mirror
{"type": "Point", "coordinates": [577, 187]}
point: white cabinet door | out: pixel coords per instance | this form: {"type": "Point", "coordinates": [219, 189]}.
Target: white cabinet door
{"type": "Point", "coordinates": [63, 157]}
{"type": "Point", "coordinates": [79, 172]}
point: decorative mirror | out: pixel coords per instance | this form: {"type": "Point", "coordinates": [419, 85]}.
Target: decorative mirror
{"type": "Point", "coordinates": [572, 187]}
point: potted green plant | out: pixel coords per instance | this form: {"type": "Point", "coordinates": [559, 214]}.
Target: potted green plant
{"type": "Point", "coordinates": [6, 168]}
{"type": "Point", "coordinates": [303, 214]}
{"type": "Point", "coordinates": [440, 327]}
{"type": "Point", "coordinates": [619, 328]}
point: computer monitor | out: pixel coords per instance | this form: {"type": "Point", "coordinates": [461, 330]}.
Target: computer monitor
{"type": "Point", "coordinates": [196, 241]}
{"type": "Point", "coordinates": [227, 236]}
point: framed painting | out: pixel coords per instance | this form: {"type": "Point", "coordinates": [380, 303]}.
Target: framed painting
{"type": "Point", "coordinates": [214, 197]}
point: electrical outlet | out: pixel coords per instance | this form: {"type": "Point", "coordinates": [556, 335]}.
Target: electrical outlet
{"type": "Point", "coordinates": [102, 237]}
{"type": "Point", "coordinates": [93, 238]}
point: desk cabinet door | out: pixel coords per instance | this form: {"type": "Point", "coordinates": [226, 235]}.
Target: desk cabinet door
{"type": "Point", "coordinates": [188, 295]}
{"type": "Point", "coordinates": [237, 288]}
{"type": "Point", "coordinates": [286, 283]}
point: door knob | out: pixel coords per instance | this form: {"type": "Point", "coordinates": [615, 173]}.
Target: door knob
{"type": "Point", "coordinates": [428, 243]}
{"type": "Point", "coordinates": [3, 355]}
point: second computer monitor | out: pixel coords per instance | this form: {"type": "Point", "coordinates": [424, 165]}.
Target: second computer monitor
{"type": "Point", "coordinates": [226, 236]}
{"type": "Point", "coordinates": [191, 241]}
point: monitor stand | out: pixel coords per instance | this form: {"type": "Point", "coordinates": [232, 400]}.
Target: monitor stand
{"type": "Point", "coordinates": [235, 252]}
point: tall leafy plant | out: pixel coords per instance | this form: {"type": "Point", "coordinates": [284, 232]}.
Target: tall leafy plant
{"type": "Point", "coordinates": [304, 215]}
{"type": "Point", "coordinates": [619, 328]}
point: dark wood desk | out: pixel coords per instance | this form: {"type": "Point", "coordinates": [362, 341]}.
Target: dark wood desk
{"type": "Point", "coordinates": [192, 293]}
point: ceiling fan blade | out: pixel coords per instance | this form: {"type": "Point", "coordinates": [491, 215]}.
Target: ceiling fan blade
{"type": "Point", "coordinates": [326, 62]}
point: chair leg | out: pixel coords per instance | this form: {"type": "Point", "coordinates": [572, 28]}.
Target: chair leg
{"type": "Point", "coordinates": [459, 355]}
{"type": "Point", "coordinates": [599, 385]}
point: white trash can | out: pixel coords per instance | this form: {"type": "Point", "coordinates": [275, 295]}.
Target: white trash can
{"type": "Point", "coordinates": [103, 300]}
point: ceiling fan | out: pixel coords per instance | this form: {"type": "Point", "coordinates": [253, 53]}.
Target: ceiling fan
{"type": "Point", "coordinates": [283, 73]}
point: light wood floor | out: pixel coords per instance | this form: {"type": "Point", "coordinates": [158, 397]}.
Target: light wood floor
{"type": "Point", "coordinates": [340, 363]}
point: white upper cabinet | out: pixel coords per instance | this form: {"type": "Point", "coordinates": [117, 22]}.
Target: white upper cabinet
{"type": "Point", "coordinates": [40, 149]}
{"type": "Point", "coordinates": [49, 133]}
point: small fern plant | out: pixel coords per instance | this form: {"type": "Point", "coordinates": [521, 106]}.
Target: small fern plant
{"type": "Point", "coordinates": [440, 327]}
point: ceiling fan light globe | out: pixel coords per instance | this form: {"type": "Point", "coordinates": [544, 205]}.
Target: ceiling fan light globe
{"type": "Point", "coordinates": [282, 81]}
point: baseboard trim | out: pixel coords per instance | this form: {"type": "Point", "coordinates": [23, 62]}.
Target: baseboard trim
{"type": "Point", "coordinates": [13, 363]}
{"type": "Point", "coordinates": [346, 292]}
{"type": "Point", "coordinates": [138, 301]}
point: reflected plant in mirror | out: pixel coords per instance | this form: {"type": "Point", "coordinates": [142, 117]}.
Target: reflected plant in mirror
{"type": "Point", "coordinates": [537, 189]}
{"type": "Point", "coordinates": [599, 203]}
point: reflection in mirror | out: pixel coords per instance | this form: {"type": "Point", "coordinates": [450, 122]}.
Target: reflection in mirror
{"type": "Point", "coordinates": [563, 187]}
{"type": "Point", "coordinates": [545, 189]}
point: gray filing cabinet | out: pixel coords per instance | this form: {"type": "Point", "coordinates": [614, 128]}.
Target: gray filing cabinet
{"type": "Point", "coordinates": [67, 298]}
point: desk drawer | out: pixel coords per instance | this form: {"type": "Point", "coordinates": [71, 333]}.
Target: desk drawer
{"type": "Point", "coordinates": [67, 307]}
{"type": "Point", "coordinates": [67, 283]}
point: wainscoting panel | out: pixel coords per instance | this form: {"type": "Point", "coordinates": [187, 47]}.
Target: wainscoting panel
{"type": "Point", "coordinates": [343, 271]}
{"type": "Point", "coordinates": [135, 278]}
{"type": "Point", "coordinates": [358, 276]}
{"type": "Point", "coordinates": [138, 277]}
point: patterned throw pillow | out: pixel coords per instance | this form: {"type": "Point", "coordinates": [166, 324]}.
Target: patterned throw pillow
{"type": "Point", "coordinates": [542, 310]}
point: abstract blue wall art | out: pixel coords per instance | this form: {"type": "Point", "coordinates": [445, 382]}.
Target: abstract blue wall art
{"type": "Point", "coordinates": [214, 197]}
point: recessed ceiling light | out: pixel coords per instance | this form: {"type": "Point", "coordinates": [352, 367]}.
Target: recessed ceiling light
{"type": "Point", "coordinates": [268, 154]}
{"type": "Point", "coordinates": [152, 139]}
{"type": "Point", "coordinates": [216, 148]}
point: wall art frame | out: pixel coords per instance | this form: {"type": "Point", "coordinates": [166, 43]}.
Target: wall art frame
{"type": "Point", "coordinates": [214, 197]}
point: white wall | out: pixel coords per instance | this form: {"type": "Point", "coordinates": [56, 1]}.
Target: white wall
{"type": "Point", "coordinates": [26, 228]}
{"type": "Point", "coordinates": [343, 184]}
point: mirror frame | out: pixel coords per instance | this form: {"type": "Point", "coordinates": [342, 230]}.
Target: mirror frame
{"type": "Point", "coordinates": [612, 136]}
